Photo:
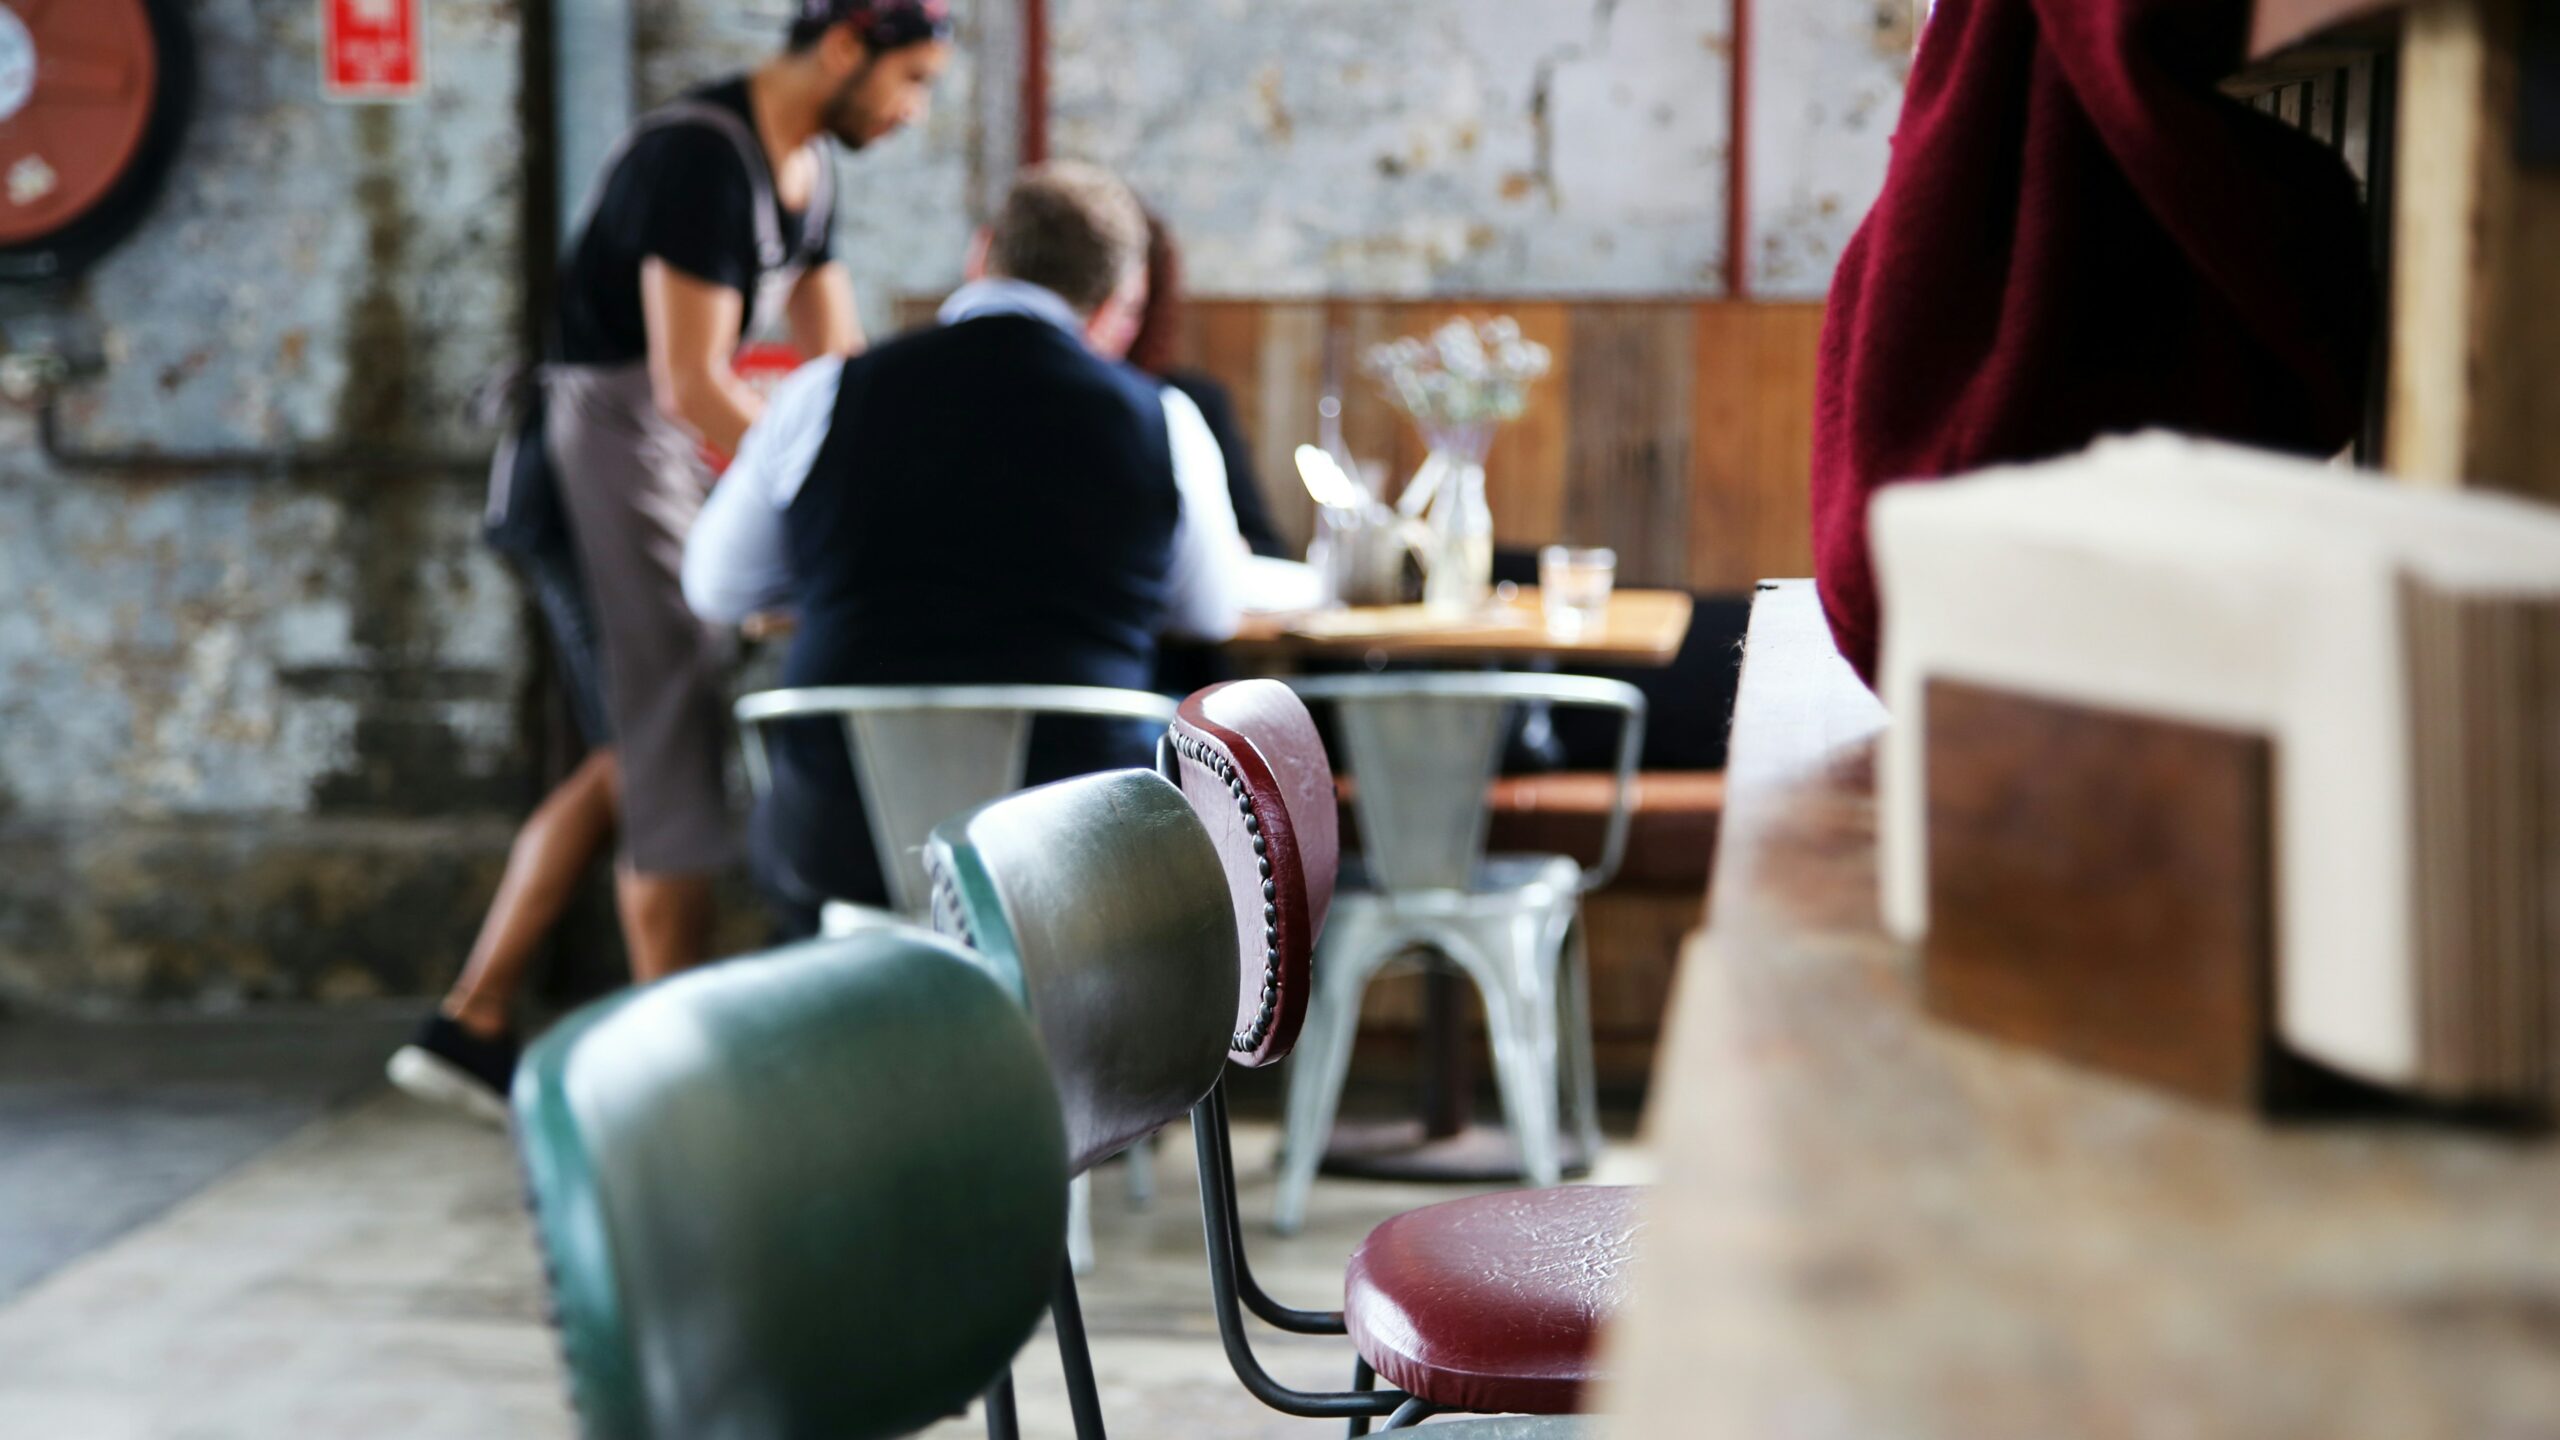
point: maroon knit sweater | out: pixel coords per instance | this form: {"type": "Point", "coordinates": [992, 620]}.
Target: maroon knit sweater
{"type": "Point", "coordinates": [2078, 235]}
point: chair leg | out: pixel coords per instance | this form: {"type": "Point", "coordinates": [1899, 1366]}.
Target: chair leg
{"type": "Point", "coordinates": [1316, 1074]}
{"type": "Point", "coordinates": [1080, 1224]}
{"type": "Point", "coordinates": [1002, 1422]}
{"type": "Point", "coordinates": [1363, 1381]}
{"type": "Point", "coordinates": [1411, 1413]}
{"type": "Point", "coordinates": [1516, 969]}
{"type": "Point", "coordinates": [1141, 1160]}
{"type": "Point", "coordinates": [1075, 1354]}
{"type": "Point", "coordinates": [1579, 1049]}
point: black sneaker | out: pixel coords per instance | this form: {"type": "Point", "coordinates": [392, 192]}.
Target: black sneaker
{"type": "Point", "coordinates": [444, 1064]}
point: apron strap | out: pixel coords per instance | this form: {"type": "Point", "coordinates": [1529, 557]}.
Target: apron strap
{"type": "Point", "coordinates": [821, 216]}
{"type": "Point", "coordinates": [771, 253]}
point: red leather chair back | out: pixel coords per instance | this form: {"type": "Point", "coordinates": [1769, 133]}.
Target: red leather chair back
{"type": "Point", "coordinates": [1248, 758]}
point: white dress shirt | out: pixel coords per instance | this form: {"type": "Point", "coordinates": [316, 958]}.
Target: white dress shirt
{"type": "Point", "coordinates": [736, 563]}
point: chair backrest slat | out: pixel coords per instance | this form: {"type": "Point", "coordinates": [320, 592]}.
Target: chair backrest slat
{"type": "Point", "coordinates": [1425, 748]}
{"type": "Point", "coordinates": [1249, 759]}
{"type": "Point", "coordinates": [821, 1192]}
{"type": "Point", "coordinates": [1100, 902]}
{"type": "Point", "coordinates": [919, 768]}
{"type": "Point", "coordinates": [924, 753]}
{"type": "Point", "coordinates": [1424, 767]}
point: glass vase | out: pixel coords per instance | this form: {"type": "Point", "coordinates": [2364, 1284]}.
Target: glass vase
{"type": "Point", "coordinates": [1458, 569]}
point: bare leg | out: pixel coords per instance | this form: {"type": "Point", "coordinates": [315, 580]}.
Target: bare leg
{"type": "Point", "coordinates": [666, 921]}
{"type": "Point", "coordinates": [558, 841]}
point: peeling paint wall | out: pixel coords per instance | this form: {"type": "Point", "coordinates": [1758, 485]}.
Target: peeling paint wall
{"type": "Point", "coordinates": [318, 273]}
{"type": "Point", "coordinates": [261, 723]}
{"type": "Point", "coordinates": [1425, 147]}
{"type": "Point", "coordinates": [1826, 92]}
{"type": "Point", "coordinates": [260, 731]}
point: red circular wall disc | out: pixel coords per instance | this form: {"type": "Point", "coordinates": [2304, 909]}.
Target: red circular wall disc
{"type": "Point", "coordinates": [77, 85]}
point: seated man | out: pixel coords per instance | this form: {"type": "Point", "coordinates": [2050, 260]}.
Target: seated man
{"type": "Point", "coordinates": [989, 502]}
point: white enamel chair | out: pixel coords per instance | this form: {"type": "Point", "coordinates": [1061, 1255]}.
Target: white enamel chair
{"type": "Point", "coordinates": [1424, 750]}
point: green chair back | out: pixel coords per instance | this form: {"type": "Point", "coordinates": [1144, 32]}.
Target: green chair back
{"type": "Point", "coordinates": [1100, 902]}
{"type": "Point", "coordinates": [820, 1192]}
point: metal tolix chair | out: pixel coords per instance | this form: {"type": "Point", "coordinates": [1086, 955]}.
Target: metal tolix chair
{"type": "Point", "coordinates": [820, 1192]}
{"type": "Point", "coordinates": [1092, 894]}
{"type": "Point", "coordinates": [922, 754]}
{"type": "Point", "coordinates": [1424, 751]}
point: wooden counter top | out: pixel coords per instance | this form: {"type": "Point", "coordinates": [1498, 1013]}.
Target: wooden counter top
{"type": "Point", "coordinates": [1870, 1227]}
{"type": "Point", "coordinates": [1643, 629]}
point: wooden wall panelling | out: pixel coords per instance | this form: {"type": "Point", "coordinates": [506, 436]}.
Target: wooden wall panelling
{"type": "Point", "coordinates": [1290, 361]}
{"type": "Point", "coordinates": [1724, 449]}
{"type": "Point", "coordinates": [1370, 426]}
{"type": "Point", "coordinates": [1529, 470]}
{"type": "Point", "coordinates": [1751, 459]}
{"type": "Point", "coordinates": [1677, 431]}
{"type": "Point", "coordinates": [1631, 397]}
{"type": "Point", "coordinates": [1790, 351]}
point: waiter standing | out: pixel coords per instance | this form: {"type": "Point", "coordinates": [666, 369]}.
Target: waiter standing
{"type": "Point", "coordinates": [713, 220]}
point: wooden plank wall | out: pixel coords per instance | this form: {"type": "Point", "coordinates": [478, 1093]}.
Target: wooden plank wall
{"type": "Point", "coordinates": [1677, 432]}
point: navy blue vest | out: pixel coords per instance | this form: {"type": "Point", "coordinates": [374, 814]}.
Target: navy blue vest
{"type": "Point", "coordinates": [992, 505]}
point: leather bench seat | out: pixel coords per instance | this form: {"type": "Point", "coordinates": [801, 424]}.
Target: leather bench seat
{"type": "Point", "coordinates": [1671, 836]}
{"type": "Point", "coordinates": [1493, 1303]}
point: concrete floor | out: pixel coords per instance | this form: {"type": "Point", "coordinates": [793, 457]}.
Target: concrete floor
{"type": "Point", "coordinates": [104, 1125]}
{"type": "Point", "coordinates": [371, 1271]}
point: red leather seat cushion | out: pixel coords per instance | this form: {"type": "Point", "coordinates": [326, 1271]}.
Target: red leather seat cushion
{"type": "Point", "coordinates": [1493, 1303]}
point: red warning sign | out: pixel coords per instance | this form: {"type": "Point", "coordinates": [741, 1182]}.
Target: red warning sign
{"type": "Point", "coordinates": [372, 49]}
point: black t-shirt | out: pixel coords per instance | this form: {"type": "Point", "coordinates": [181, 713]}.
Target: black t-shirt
{"type": "Point", "coordinates": [682, 193]}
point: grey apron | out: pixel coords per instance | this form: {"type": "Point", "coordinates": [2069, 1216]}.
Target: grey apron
{"type": "Point", "coordinates": [632, 482]}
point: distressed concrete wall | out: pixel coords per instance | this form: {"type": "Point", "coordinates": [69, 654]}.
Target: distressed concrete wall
{"type": "Point", "coordinates": [1826, 90]}
{"type": "Point", "coordinates": [1431, 146]}
{"type": "Point", "coordinates": [259, 721]}
{"type": "Point", "coordinates": [1308, 147]}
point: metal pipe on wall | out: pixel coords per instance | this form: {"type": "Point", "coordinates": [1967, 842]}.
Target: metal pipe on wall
{"type": "Point", "coordinates": [595, 87]}
{"type": "Point", "coordinates": [1737, 214]}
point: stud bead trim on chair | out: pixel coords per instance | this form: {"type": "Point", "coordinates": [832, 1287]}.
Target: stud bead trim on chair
{"type": "Point", "coordinates": [1198, 752]}
{"type": "Point", "coordinates": [950, 917]}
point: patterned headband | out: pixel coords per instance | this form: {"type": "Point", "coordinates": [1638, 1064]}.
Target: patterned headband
{"type": "Point", "coordinates": [883, 24]}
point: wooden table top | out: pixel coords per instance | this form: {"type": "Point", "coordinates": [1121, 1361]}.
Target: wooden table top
{"type": "Point", "coordinates": [1644, 628]}
{"type": "Point", "coordinates": [1871, 1227]}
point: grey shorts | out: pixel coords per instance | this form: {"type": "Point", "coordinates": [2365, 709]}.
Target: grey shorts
{"type": "Point", "coordinates": [577, 649]}
{"type": "Point", "coordinates": [632, 483]}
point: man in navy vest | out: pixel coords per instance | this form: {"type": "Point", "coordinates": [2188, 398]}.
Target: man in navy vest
{"type": "Point", "coordinates": [988, 502]}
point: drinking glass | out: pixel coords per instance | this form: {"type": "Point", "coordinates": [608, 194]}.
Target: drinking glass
{"type": "Point", "coordinates": [1573, 589]}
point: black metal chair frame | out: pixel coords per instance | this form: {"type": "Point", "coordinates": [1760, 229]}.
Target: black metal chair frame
{"type": "Point", "coordinates": [1234, 1291]}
